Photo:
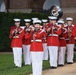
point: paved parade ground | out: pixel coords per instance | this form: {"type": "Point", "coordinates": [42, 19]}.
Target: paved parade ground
{"type": "Point", "coordinates": [66, 70]}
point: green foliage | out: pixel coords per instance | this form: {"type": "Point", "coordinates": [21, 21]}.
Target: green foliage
{"type": "Point", "coordinates": [6, 20]}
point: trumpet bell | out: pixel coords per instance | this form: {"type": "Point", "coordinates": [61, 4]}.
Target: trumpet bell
{"type": "Point", "coordinates": [56, 11]}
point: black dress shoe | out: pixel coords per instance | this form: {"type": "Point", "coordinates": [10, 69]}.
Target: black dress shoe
{"type": "Point", "coordinates": [53, 67]}
{"type": "Point", "coordinates": [69, 62]}
{"type": "Point", "coordinates": [60, 65]}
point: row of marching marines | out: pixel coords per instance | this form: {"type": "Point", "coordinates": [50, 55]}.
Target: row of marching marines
{"type": "Point", "coordinates": [42, 40]}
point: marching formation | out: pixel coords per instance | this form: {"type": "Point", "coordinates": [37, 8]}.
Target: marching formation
{"type": "Point", "coordinates": [41, 40]}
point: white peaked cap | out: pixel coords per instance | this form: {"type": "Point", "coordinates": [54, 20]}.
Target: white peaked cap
{"type": "Point", "coordinates": [36, 21]}
{"type": "Point", "coordinates": [27, 20]}
{"type": "Point", "coordinates": [61, 21]}
{"type": "Point", "coordinates": [44, 20]}
{"type": "Point", "coordinates": [16, 19]}
{"type": "Point", "coordinates": [52, 17]}
{"type": "Point", "coordinates": [69, 19]}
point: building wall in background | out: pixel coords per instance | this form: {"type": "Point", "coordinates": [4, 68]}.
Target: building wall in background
{"type": "Point", "coordinates": [38, 4]}
{"type": "Point", "coordinates": [68, 6]}
{"type": "Point", "coordinates": [26, 4]}
{"type": "Point", "coordinates": [68, 3]}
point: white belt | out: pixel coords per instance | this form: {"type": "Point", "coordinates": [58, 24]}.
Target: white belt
{"type": "Point", "coordinates": [36, 40]}
{"type": "Point", "coordinates": [53, 35]}
{"type": "Point", "coordinates": [62, 38]}
{"type": "Point", "coordinates": [67, 39]}
{"type": "Point", "coordinates": [44, 38]}
{"type": "Point", "coordinates": [16, 37]}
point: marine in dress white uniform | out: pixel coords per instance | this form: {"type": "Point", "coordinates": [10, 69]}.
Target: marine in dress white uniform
{"type": "Point", "coordinates": [53, 31]}
{"type": "Point", "coordinates": [62, 43]}
{"type": "Point", "coordinates": [70, 40]}
{"type": "Point", "coordinates": [36, 48]}
{"type": "Point", "coordinates": [16, 35]}
{"type": "Point", "coordinates": [45, 54]}
{"type": "Point", "coordinates": [26, 43]}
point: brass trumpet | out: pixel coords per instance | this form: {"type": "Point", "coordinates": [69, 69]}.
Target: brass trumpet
{"type": "Point", "coordinates": [69, 33]}
{"type": "Point", "coordinates": [16, 32]}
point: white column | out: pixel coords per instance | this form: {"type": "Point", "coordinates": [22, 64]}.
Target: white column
{"type": "Point", "coordinates": [2, 6]}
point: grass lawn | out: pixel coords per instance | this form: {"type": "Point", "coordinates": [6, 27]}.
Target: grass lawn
{"type": "Point", "coordinates": [7, 66]}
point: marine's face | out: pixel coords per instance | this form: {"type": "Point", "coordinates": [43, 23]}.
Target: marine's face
{"type": "Point", "coordinates": [50, 21]}
{"type": "Point", "coordinates": [69, 22]}
{"type": "Point", "coordinates": [37, 26]}
{"type": "Point", "coordinates": [17, 24]}
{"type": "Point", "coordinates": [62, 25]}
{"type": "Point", "coordinates": [53, 21]}
{"type": "Point", "coordinates": [27, 24]}
{"type": "Point", "coordinates": [44, 24]}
